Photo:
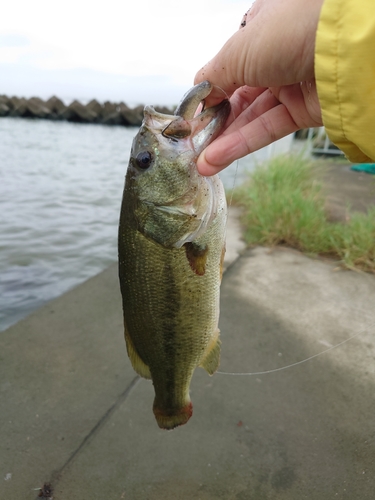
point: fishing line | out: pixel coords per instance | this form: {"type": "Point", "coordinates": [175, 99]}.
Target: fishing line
{"type": "Point", "coordinates": [297, 363]}
{"type": "Point", "coordinates": [274, 370]}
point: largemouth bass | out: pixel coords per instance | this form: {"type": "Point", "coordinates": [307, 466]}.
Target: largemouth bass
{"type": "Point", "coordinates": [171, 248]}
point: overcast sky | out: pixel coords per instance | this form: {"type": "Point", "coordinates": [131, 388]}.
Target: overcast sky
{"type": "Point", "coordinates": [136, 51]}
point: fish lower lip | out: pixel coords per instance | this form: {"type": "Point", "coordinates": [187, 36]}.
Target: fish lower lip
{"type": "Point", "coordinates": [190, 102]}
{"type": "Point", "coordinates": [208, 125]}
{"type": "Point", "coordinates": [203, 128]}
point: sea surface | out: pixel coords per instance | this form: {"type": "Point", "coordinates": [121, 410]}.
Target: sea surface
{"type": "Point", "coordinates": [60, 194]}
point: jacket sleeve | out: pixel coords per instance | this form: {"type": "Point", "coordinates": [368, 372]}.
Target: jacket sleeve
{"type": "Point", "coordinates": [345, 75]}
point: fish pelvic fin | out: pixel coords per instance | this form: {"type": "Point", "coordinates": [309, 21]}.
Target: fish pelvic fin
{"type": "Point", "coordinates": [170, 418]}
{"type": "Point", "coordinates": [211, 359]}
{"type": "Point", "coordinates": [138, 365]}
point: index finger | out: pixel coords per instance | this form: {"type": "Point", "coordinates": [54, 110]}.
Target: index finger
{"type": "Point", "coordinates": [264, 130]}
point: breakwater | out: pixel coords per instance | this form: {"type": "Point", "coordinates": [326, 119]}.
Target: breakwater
{"type": "Point", "coordinates": [107, 113]}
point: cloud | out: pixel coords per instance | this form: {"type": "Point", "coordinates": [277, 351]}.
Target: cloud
{"type": "Point", "coordinates": [154, 44]}
{"type": "Point", "coordinates": [135, 38]}
{"type": "Point", "coordinates": [85, 84]}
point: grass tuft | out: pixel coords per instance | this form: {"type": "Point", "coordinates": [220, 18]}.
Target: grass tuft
{"type": "Point", "coordinates": [283, 204]}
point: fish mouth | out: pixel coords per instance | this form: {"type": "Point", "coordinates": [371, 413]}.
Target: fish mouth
{"type": "Point", "coordinates": [203, 128]}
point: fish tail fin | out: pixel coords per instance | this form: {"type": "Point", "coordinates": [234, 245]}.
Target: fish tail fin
{"type": "Point", "coordinates": [138, 365]}
{"type": "Point", "coordinates": [211, 359]}
{"type": "Point", "coordinates": [170, 418]}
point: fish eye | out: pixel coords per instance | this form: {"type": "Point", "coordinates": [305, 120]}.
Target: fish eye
{"type": "Point", "coordinates": [144, 159]}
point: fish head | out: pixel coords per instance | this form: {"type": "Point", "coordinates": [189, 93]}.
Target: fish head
{"type": "Point", "coordinates": [171, 200]}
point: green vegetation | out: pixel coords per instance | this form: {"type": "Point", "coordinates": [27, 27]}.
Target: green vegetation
{"type": "Point", "coordinates": [283, 204]}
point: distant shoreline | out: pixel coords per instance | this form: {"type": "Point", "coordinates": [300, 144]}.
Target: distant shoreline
{"type": "Point", "coordinates": [108, 113]}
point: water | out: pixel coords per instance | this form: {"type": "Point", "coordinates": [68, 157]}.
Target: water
{"type": "Point", "coordinates": [60, 193]}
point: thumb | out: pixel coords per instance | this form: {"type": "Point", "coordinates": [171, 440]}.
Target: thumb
{"type": "Point", "coordinates": [224, 70]}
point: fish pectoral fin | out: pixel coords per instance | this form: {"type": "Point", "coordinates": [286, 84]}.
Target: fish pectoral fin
{"type": "Point", "coordinates": [211, 359]}
{"type": "Point", "coordinates": [197, 257]}
{"type": "Point", "coordinates": [139, 366]}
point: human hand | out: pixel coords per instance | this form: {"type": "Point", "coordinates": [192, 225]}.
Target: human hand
{"type": "Point", "coordinates": [267, 70]}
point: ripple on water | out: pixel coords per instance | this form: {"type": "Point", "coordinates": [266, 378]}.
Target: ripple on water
{"type": "Point", "coordinates": [60, 193]}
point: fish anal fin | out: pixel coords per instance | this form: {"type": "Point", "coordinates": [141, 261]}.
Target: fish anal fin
{"type": "Point", "coordinates": [211, 359]}
{"type": "Point", "coordinates": [139, 366]}
{"type": "Point", "coordinates": [197, 257]}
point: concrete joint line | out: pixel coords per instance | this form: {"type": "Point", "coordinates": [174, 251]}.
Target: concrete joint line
{"type": "Point", "coordinates": [101, 422]}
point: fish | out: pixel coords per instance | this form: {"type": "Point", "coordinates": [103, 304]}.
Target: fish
{"type": "Point", "coordinates": [171, 248]}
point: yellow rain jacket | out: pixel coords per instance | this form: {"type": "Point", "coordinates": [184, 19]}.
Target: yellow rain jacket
{"type": "Point", "coordinates": [345, 75]}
